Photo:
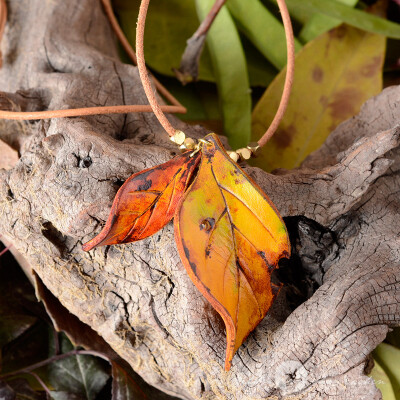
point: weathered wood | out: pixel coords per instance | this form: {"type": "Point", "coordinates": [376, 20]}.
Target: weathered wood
{"type": "Point", "coordinates": [341, 207]}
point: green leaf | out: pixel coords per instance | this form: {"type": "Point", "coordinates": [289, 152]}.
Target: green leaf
{"type": "Point", "coordinates": [382, 382]}
{"type": "Point", "coordinates": [335, 74]}
{"type": "Point", "coordinates": [319, 24]}
{"type": "Point", "coordinates": [230, 69]}
{"type": "Point", "coordinates": [388, 358]}
{"type": "Point", "coordinates": [262, 28]}
{"type": "Point", "coordinates": [81, 375]}
{"type": "Point", "coordinates": [123, 385]}
{"type": "Point", "coordinates": [27, 338]}
{"type": "Point", "coordinates": [356, 18]}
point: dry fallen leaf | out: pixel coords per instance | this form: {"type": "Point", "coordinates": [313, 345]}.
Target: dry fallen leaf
{"type": "Point", "coordinates": [335, 74]}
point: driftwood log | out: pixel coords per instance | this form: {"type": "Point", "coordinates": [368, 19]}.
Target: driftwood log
{"type": "Point", "coordinates": [342, 290]}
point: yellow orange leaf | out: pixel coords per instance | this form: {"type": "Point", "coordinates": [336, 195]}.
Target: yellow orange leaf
{"type": "Point", "coordinates": [335, 74]}
{"type": "Point", "coordinates": [230, 238]}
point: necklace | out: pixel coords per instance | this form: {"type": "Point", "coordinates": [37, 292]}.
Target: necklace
{"type": "Point", "coordinates": [229, 234]}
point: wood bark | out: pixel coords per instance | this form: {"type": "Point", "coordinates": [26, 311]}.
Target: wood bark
{"type": "Point", "coordinates": [341, 293]}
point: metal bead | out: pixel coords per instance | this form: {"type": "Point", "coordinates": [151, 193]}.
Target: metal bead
{"type": "Point", "coordinates": [244, 153]}
{"type": "Point", "coordinates": [233, 155]}
{"type": "Point", "coordinates": [178, 138]}
{"type": "Point", "coordinates": [189, 143]}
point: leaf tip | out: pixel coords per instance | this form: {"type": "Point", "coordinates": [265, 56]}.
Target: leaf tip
{"type": "Point", "coordinates": [88, 246]}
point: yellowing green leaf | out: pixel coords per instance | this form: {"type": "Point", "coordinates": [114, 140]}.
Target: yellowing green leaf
{"type": "Point", "coordinates": [382, 382]}
{"type": "Point", "coordinates": [334, 75]}
{"type": "Point", "coordinates": [388, 358]}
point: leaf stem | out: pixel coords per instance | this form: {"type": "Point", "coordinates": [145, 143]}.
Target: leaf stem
{"type": "Point", "coordinates": [209, 19]}
{"type": "Point", "coordinates": [188, 70]}
{"type": "Point", "coordinates": [42, 384]}
{"type": "Point", "coordinates": [28, 369]}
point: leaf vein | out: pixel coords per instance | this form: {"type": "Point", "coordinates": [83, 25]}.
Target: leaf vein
{"type": "Point", "coordinates": [233, 194]}
{"type": "Point", "coordinates": [234, 245]}
{"type": "Point", "coordinates": [233, 226]}
{"type": "Point", "coordinates": [151, 205]}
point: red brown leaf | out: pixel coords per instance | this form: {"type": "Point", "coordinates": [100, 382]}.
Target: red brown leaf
{"type": "Point", "coordinates": [146, 202]}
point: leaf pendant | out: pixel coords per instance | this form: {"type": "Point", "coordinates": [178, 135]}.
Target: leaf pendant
{"type": "Point", "coordinates": [230, 238]}
{"type": "Point", "coordinates": [229, 235]}
{"type": "Point", "coordinates": [146, 202]}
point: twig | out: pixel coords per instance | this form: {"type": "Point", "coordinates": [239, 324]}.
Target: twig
{"type": "Point", "coordinates": [209, 19]}
{"type": "Point", "coordinates": [188, 70]}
